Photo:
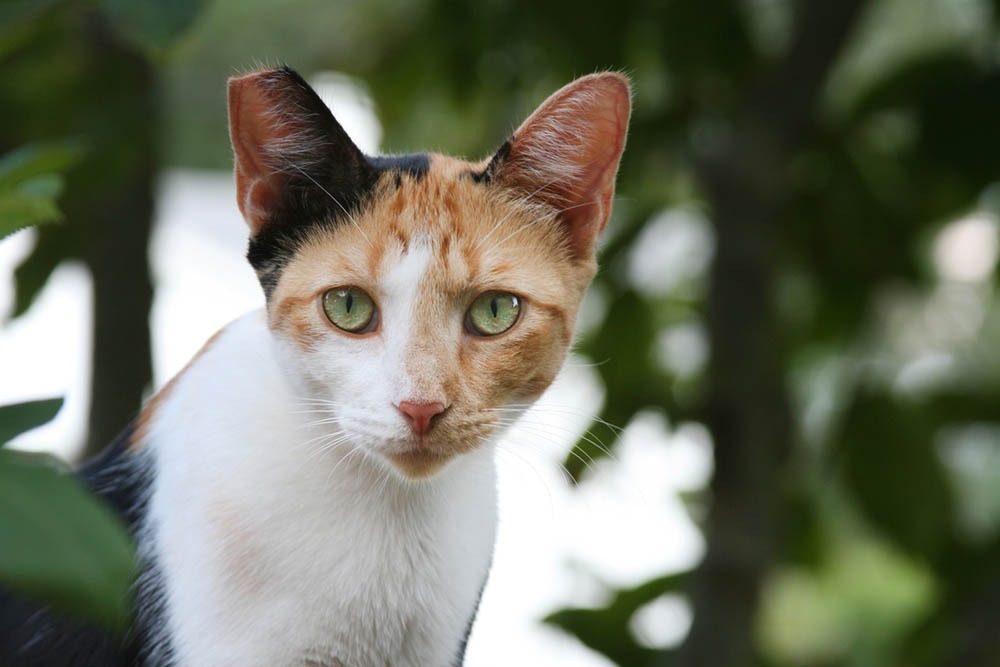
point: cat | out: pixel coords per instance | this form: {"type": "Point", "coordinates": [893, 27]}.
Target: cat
{"type": "Point", "coordinates": [317, 486]}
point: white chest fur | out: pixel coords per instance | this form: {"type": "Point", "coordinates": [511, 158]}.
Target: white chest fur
{"type": "Point", "coordinates": [277, 553]}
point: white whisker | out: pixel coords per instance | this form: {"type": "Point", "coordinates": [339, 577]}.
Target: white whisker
{"type": "Point", "coordinates": [515, 207]}
{"type": "Point", "coordinates": [537, 220]}
{"type": "Point", "coordinates": [586, 436]}
{"type": "Point", "coordinates": [349, 455]}
{"type": "Point", "coordinates": [536, 438]}
{"type": "Point", "coordinates": [508, 451]}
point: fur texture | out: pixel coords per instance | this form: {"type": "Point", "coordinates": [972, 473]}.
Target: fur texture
{"type": "Point", "coordinates": [287, 510]}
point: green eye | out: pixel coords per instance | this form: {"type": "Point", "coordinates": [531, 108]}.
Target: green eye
{"type": "Point", "coordinates": [493, 313]}
{"type": "Point", "coordinates": [349, 308]}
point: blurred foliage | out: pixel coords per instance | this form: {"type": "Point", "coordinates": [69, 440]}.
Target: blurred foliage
{"type": "Point", "coordinates": [898, 146]}
{"type": "Point", "coordinates": [72, 124]}
{"type": "Point", "coordinates": [152, 25]}
{"type": "Point", "coordinates": [30, 182]}
{"type": "Point", "coordinates": [58, 544]}
{"type": "Point", "coordinates": [887, 508]}
{"type": "Point", "coordinates": [606, 629]}
{"type": "Point", "coordinates": [85, 74]}
{"type": "Point", "coordinates": [16, 419]}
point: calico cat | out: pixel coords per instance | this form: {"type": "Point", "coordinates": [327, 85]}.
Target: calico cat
{"type": "Point", "coordinates": [317, 487]}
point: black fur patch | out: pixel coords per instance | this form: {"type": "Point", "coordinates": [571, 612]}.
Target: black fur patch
{"type": "Point", "coordinates": [415, 165]}
{"type": "Point", "coordinates": [323, 178]}
{"type": "Point", "coordinates": [313, 205]}
{"type": "Point", "coordinates": [489, 173]}
{"type": "Point", "coordinates": [35, 636]}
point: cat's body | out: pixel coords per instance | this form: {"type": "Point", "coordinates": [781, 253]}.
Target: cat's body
{"type": "Point", "coordinates": [268, 574]}
{"type": "Point", "coordinates": [317, 487]}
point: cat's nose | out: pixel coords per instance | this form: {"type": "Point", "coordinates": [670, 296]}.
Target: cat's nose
{"type": "Point", "coordinates": [420, 416]}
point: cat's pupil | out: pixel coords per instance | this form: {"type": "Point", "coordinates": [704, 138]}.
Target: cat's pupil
{"type": "Point", "coordinates": [493, 306]}
{"type": "Point", "coordinates": [350, 302]}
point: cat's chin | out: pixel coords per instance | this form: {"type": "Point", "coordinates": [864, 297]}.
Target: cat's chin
{"type": "Point", "coordinates": [418, 463]}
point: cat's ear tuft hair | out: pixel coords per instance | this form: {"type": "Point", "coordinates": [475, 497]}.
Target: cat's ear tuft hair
{"type": "Point", "coordinates": [566, 154]}
{"type": "Point", "coordinates": [292, 157]}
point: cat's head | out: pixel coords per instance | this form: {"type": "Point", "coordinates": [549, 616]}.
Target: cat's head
{"type": "Point", "coordinates": [423, 300]}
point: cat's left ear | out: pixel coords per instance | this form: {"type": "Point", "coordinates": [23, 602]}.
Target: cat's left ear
{"type": "Point", "coordinates": [567, 152]}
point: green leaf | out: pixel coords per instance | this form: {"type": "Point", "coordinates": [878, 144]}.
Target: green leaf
{"type": "Point", "coordinates": [60, 545]}
{"type": "Point", "coordinates": [20, 417]}
{"type": "Point", "coordinates": [18, 211]}
{"type": "Point", "coordinates": [27, 162]}
{"type": "Point", "coordinates": [33, 273]}
{"type": "Point", "coordinates": [30, 182]}
{"type": "Point", "coordinates": [152, 24]}
{"type": "Point", "coordinates": [45, 186]}
{"type": "Point", "coordinates": [890, 467]}
{"type": "Point", "coordinates": [606, 630]}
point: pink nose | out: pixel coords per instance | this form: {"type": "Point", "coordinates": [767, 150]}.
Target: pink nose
{"type": "Point", "coordinates": [420, 415]}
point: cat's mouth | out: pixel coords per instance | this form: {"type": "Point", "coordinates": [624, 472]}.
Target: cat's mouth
{"type": "Point", "coordinates": [418, 462]}
{"type": "Point", "coordinates": [422, 455]}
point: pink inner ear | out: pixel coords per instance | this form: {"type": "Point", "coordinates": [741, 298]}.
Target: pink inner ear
{"type": "Point", "coordinates": [566, 153]}
{"type": "Point", "coordinates": [255, 127]}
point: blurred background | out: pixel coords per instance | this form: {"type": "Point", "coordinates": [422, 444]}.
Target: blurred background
{"type": "Point", "coordinates": [778, 439]}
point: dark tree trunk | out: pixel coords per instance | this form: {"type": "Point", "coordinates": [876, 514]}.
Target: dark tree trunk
{"type": "Point", "coordinates": [119, 219]}
{"type": "Point", "coordinates": [747, 404]}
{"type": "Point", "coordinates": [76, 80]}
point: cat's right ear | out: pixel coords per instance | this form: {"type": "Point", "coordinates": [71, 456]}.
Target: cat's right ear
{"type": "Point", "coordinates": [292, 157]}
{"type": "Point", "coordinates": [566, 154]}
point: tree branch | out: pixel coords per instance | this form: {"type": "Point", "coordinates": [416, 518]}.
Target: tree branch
{"type": "Point", "coordinates": [747, 403]}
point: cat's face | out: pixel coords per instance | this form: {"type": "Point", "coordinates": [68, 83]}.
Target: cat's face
{"type": "Point", "coordinates": [420, 302]}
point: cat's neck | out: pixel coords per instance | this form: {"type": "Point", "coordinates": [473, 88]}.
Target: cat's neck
{"type": "Point", "coordinates": [246, 511]}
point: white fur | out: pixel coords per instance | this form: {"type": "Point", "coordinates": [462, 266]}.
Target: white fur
{"type": "Point", "coordinates": [275, 550]}
{"type": "Point", "coordinates": [371, 372]}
